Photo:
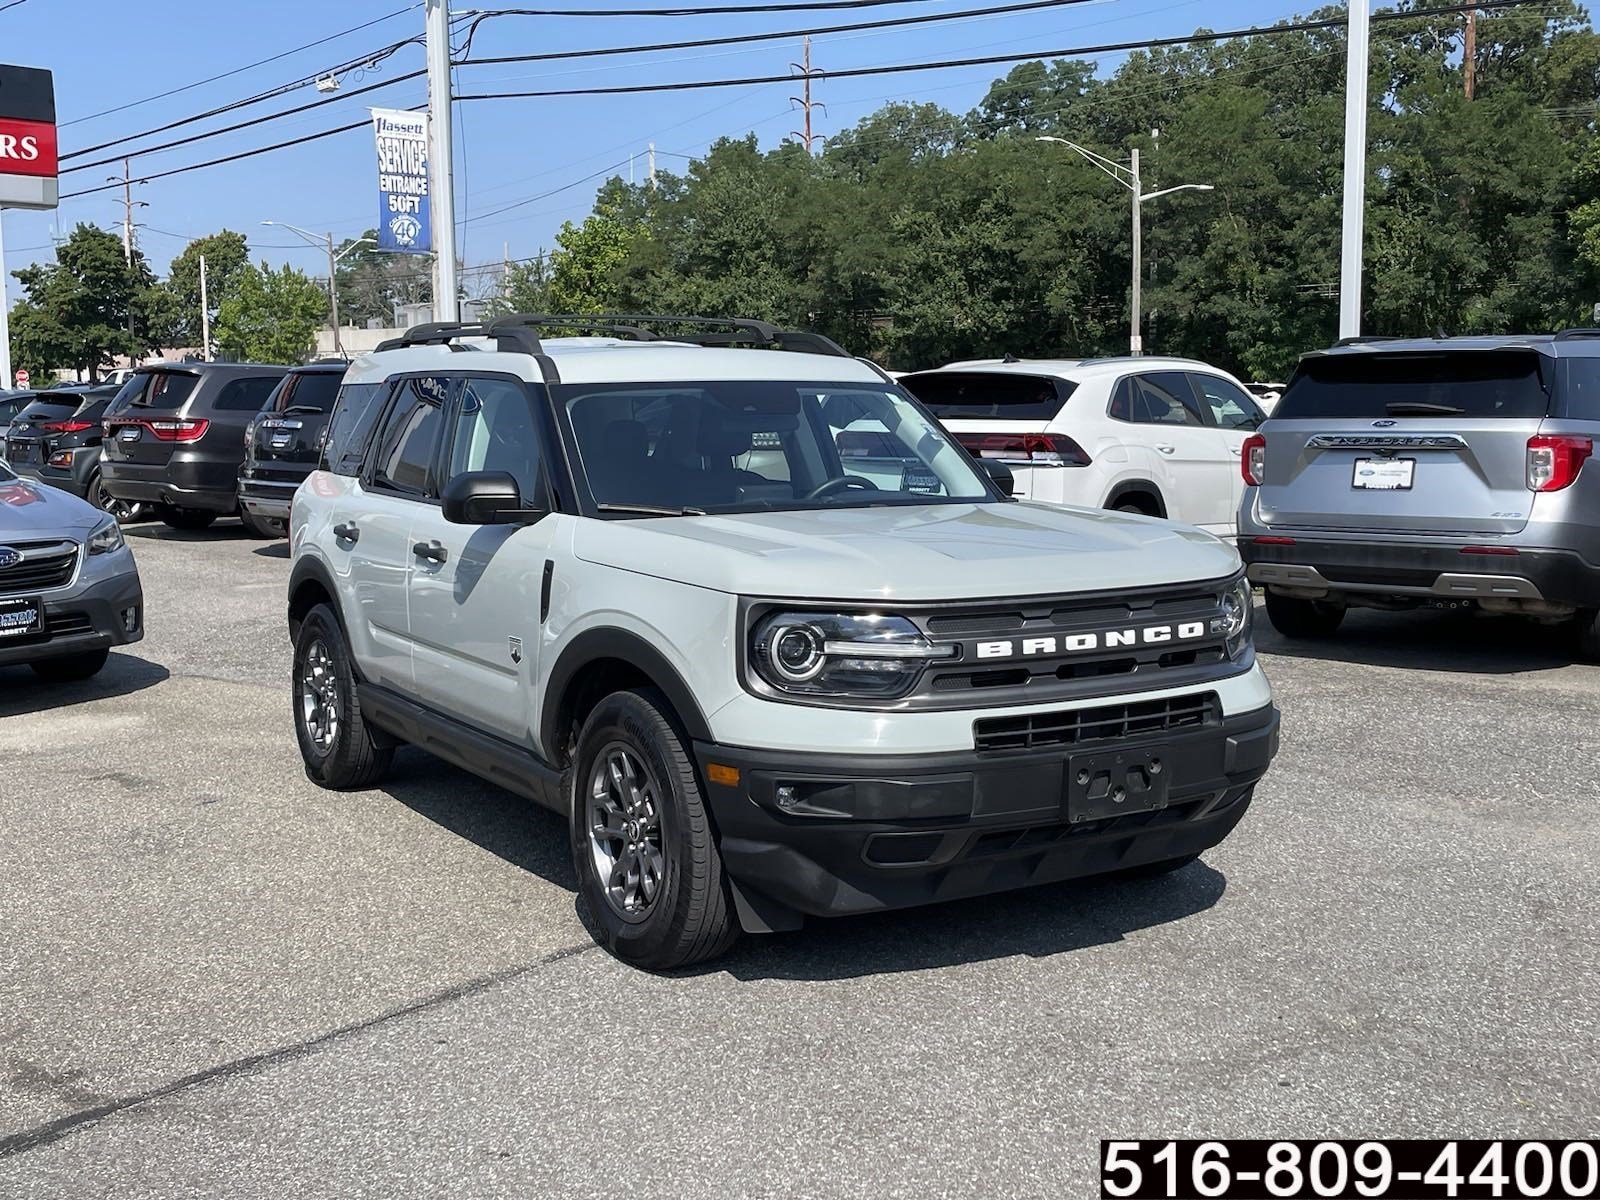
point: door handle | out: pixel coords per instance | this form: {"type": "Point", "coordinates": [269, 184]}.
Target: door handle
{"type": "Point", "coordinates": [347, 533]}
{"type": "Point", "coordinates": [432, 551]}
{"type": "Point", "coordinates": [1166, 449]}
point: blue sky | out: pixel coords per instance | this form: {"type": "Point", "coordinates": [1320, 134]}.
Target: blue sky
{"type": "Point", "coordinates": [104, 55]}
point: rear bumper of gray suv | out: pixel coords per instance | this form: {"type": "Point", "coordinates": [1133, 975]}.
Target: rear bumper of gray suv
{"type": "Point", "coordinates": [1315, 567]}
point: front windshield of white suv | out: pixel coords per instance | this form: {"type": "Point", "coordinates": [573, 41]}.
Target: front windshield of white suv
{"type": "Point", "coordinates": [753, 446]}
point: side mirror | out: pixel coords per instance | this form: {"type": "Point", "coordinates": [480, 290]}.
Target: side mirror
{"type": "Point", "coordinates": [1000, 475]}
{"type": "Point", "coordinates": [483, 498]}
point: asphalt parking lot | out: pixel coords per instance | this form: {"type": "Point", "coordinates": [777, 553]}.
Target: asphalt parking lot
{"type": "Point", "coordinates": [216, 979]}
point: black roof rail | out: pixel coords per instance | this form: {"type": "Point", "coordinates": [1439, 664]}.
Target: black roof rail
{"type": "Point", "coordinates": [718, 331]}
{"type": "Point", "coordinates": [1573, 335]}
{"type": "Point", "coordinates": [1359, 338]}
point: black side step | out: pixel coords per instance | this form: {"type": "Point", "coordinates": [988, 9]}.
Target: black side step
{"type": "Point", "coordinates": [489, 757]}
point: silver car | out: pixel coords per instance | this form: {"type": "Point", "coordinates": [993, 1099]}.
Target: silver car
{"type": "Point", "coordinates": [69, 589]}
{"type": "Point", "coordinates": [1442, 472]}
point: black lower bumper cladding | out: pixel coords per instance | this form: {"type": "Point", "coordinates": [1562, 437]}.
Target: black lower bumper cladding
{"type": "Point", "coordinates": [825, 835]}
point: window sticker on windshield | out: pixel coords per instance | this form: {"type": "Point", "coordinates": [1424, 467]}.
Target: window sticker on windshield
{"type": "Point", "coordinates": [920, 480]}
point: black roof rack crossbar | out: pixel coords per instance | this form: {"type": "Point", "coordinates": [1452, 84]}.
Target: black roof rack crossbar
{"type": "Point", "coordinates": [1572, 335]}
{"type": "Point", "coordinates": [719, 331]}
{"type": "Point", "coordinates": [508, 337]}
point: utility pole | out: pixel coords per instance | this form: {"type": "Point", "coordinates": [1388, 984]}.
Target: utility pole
{"type": "Point", "coordinates": [333, 296]}
{"type": "Point", "coordinates": [804, 99]}
{"type": "Point", "coordinates": [652, 166]}
{"type": "Point", "coordinates": [441, 162]}
{"type": "Point", "coordinates": [1355, 170]}
{"type": "Point", "coordinates": [1469, 54]}
{"type": "Point", "coordinates": [127, 212]}
{"type": "Point", "coordinates": [1135, 339]}
{"type": "Point", "coordinates": [205, 314]}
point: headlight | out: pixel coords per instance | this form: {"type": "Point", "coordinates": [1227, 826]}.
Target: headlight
{"type": "Point", "coordinates": [106, 538]}
{"type": "Point", "coordinates": [1237, 617]}
{"type": "Point", "coordinates": [840, 654]}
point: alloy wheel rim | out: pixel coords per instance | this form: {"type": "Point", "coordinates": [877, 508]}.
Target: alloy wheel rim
{"type": "Point", "coordinates": [319, 696]}
{"type": "Point", "coordinates": [623, 814]}
{"type": "Point", "coordinates": [120, 509]}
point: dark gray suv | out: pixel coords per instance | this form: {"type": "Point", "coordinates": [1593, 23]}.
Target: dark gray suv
{"type": "Point", "coordinates": [174, 438]}
{"type": "Point", "coordinates": [1446, 472]}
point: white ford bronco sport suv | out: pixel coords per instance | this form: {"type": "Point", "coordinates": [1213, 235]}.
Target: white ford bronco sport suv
{"type": "Point", "coordinates": [767, 670]}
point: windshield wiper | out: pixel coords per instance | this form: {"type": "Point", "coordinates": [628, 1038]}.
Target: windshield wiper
{"type": "Point", "coordinates": [652, 510]}
{"type": "Point", "coordinates": [1420, 408]}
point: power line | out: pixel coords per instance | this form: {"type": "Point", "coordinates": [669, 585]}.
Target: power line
{"type": "Point", "coordinates": [604, 171]}
{"type": "Point", "coordinates": [13, 4]}
{"type": "Point", "coordinates": [994, 59]}
{"type": "Point", "coordinates": [989, 60]}
{"type": "Point", "coordinates": [715, 10]}
{"type": "Point", "coordinates": [236, 70]}
{"type": "Point", "coordinates": [740, 39]}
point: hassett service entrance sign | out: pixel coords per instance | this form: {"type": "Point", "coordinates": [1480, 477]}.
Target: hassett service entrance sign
{"type": "Point", "coordinates": [404, 223]}
{"type": "Point", "coordinates": [27, 139]}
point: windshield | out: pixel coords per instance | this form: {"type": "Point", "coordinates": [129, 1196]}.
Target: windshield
{"type": "Point", "coordinates": [762, 446]}
{"type": "Point", "coordinates": [307, 392]}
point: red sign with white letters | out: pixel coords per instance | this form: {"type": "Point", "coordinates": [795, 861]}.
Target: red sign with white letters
{"type": "Point", "coordinates": [27, 148]}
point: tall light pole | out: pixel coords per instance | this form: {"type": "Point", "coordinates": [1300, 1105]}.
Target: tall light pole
{"type": "Point", "coordinates": [1128, 176]}
{"type": "Point", "coordinates": [441, 162]}
{"type": "Point", "coordinates": [1355, 171]}
{"type": "Point", "coordinates": [326, 243]}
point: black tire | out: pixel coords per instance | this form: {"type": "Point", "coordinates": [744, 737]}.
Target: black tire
{"type": "Point", "coordinates": [263, 527]}
{"type": "Point", "coordinates": [689, 918]}
{"type": "Point", "coordinates": [123, 510]}
{"type": "Point", "coordinates": [1296, 618]}
{"type": "Point", "coordinates": [71, 668]}
{"type": "Point", "coordinates": [350, 758]}
{"type": "Point", "coordinates": [1588, 627]}
{"type": "Point", "coordinates": [185, 518]}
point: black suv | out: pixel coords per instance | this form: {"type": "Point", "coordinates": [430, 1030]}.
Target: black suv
{"type": "Point", "coordinates": [56, 440]}
{"type": "Point", "coordinates": [282, 445]}
{"type": "Point", "coordinates": [174, 437]}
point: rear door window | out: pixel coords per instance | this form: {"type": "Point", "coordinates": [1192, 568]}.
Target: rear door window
{"type": "Point", "coordinates": [355, 412]}
{"type": "Point", "coordinates": [1463, 383]}
{"type": "Point", "coordinates": [1229, 407]}
{"type": "Point", "coordinates": [954, 395]}
{"type": "Point", "coordinates": [409, 443]}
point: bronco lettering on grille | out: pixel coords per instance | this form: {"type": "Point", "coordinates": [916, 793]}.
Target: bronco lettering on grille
{"type": "Point", "coordinates": [1078, 643]}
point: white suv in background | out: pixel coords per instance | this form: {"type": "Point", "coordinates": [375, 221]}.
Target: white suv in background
{"type": "Point", "coordinates": [1160, 436]}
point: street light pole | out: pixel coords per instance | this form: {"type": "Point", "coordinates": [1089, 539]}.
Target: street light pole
{"type": "Point", "coordinates": [441, 166]}
{"type": "Point", "coordinates": [1128, 176]}
{"type": "Point", "coordinates": [1135, 339]}
{"type": "Point", "coordinates": [1355, 171]}
{"type": "Point", "coordinates": [321, 242]}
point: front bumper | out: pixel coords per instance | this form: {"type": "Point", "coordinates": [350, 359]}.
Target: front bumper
{"type": "Point", "coordinates": [1314, 569]}
{"type": "Point", "coordinates": [867, 832]}
{"type": "Point", "coordinates": [86, 618]}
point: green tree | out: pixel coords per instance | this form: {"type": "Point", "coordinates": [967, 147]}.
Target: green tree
{"type": "Point", "coordinates": [585, 267]}
{"type": "Point", "coordinates": [372, 281]}
{"type": "Point", "coordinates": [227, 255]}
{"type": "Point", "coordinates": [524, 287]}
{"type": "Point", "coordinates": [271, 316]}
{"type": "Point", "coordinates": [84, 309]}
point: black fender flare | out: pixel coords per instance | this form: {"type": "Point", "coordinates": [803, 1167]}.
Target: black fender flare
{"type": "Point", "coordinates": [310, 569]}
{"type": "Point", "coordinates": [1129, 487]}
{"type": "Point", "coordinates": [592, 645]}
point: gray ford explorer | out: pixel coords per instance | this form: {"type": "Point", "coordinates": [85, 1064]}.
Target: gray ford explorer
{"type": "Point", "coordinates": [1442, 472]}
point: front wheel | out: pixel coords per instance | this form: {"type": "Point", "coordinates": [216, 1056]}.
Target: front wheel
{"type": "Point", "coordinates": [1297, 618]}
{"type": "Point", "coordinates": [338, 746]}
{"type": "Point", "coordinates": [646, 857]}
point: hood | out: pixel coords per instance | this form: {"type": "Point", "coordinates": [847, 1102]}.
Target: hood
{"type": "Point", "coordinates": [927, 552]}
{"type": "Point", "coordinates": [33, 510]}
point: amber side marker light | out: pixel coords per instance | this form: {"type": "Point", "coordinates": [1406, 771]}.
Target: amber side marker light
{"type": "Point", "coordinates": [718, 773]}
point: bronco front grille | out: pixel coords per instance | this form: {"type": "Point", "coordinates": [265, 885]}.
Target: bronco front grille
{"type": "Point", "coordinates": [1109, 721]}
{"type": "Point", "coordinates": [44, 565]}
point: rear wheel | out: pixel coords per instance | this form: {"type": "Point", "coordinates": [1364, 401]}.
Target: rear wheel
{"type": "Point", "coordinates": [70, 668]}
{"type": "Point", "coordinates": [264, 527]}
{"type": "Point", "coordinates": [337, 744]}
{"type": "Point", "coordinates": [1588, 624]}
{"type": "Point", "coordinates": [123, 510]}
{"type": "Point", "coordinates": [646, 857]}
{"type": "Point", "coordinates": [185, 518]}
{"type": "Point", "coordinates": [1297, 618]}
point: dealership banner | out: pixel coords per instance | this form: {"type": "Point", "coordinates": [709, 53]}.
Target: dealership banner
{"type": "Point", "coordinates": [404, 223]}
{"type": "Point", "coordinates": [27, 139]}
